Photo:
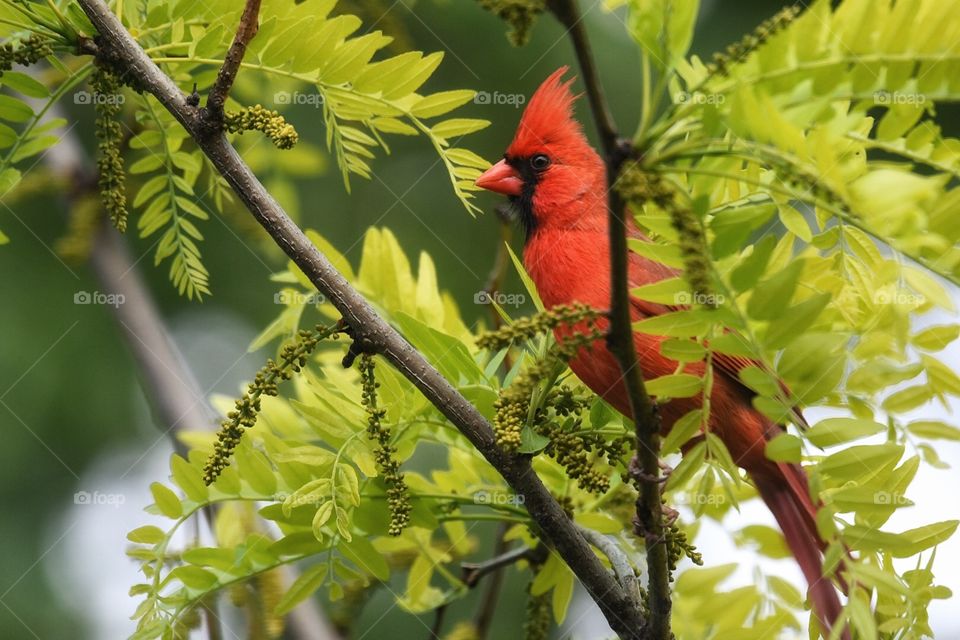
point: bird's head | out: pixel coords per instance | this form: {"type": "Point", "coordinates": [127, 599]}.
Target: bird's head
{"type": "Point", "coordinates": [550, 172]}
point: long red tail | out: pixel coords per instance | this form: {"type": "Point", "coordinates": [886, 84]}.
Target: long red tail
{"type": "Point", "coordinates": [783, 488]}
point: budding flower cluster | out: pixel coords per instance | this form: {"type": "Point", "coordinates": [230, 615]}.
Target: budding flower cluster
{"type": "Point", "coordinates": [398, 497]}
{"type": "Point", "coordinates": [112, 176]}
{"type": "Point", "coordinates": [259, 118]}
{"type": "Point", "coordinates": [293, 357]}
{"type": "Point", "coordinates": [738, 51]}
{"type": "Point", "coordinates": [558, 416]}
{"type": "Point", "coordinates": [539, 323]}
{"type": "Point", "coordinates": [678, 547]}
{"type": "Point", "coordinates": [26, 52]}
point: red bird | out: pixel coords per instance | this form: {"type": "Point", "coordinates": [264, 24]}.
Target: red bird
{"type": "Point", "coordinates": [558, 184]}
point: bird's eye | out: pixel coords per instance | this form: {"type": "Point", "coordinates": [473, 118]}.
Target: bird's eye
{"type": "Point", "coordinates": [539, 162]}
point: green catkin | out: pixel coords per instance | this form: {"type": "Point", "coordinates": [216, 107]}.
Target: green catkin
{"type": "Point", "coordinates": [520, 16]}
{"type": "Point", "coordinates": [108, 101]}
{"type": "Point", "coordinates": [259, 118]}
{"type": "Point", "coordinates": [526, 328]}
{"type": "Point", "coordinates": [539, 619]}
{"type": "Point", "coordinates": [24, 52]}
{"type": "Point", "coordinates": [738, 51]}
{"type": "Point", "coordinates": [293, 357]}
{"type": "Point", "coordinates": [636, 185]}
{"type": "Point", "coordinates": [398, 496]}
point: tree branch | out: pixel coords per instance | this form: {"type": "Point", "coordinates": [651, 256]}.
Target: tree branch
{"type": "Point", "coordinates": [249, 25]}
{"type": "Point", "coordinates": [620, 335]}
{"type": "Point", "coordinates": [178, 401]}
{"type": "Point", "coordinates": [118, 47]}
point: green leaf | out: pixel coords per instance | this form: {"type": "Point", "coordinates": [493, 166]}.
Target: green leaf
{"type": "Point", "coordinates": [562, 594]}
{"type": "Point", "coordinates": [166, 500]}
{"type": "Point", "coordinates": [902, 545]}
{"type": "Point", "coordinates": [833, 431]}
{"type": "Point", "coordinates": [933, 430]}
{"type": "Point", "coordinates": [794, 321]}
{"type": "Point", "coordinates": [194, 577]}
{"type": "Point", "coordinates": [772, 296]}
{"type": "Point", "coordinates": [936, 338]}
{"type": "Point", "coordinates": [363, 554]}
{"type": "Point", "coordinates": [302, 588]}
{"type": "Point", "coordinates": [439, 103]}
{"type": "Point", "coordinates": [682, 430]}
{"type": "Point", "coordinates": [147, 535]}
{"type": "Point", "coordinates": [663, 28]}
{"type": "Point", "coordinates": [680, 385]}
{"type": "Point", "coordinates": [853, 463]}
{"type": "Point", "coordinates": [784, 448]}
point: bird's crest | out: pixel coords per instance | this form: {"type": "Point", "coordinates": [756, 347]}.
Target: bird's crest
{"type": "Point", "coordinates": [548, 118]}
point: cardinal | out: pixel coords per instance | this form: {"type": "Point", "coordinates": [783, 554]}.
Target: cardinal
{"type": "Point", "coordinates": [558, 185]}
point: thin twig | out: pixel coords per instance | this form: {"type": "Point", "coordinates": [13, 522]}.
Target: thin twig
{"type": "Point", "coordinates": [620, 335]}
{"type": "Point", "coordinates": [618, 560]}
{"type": "Point", "coordinates": [249, 25]}
{"type": "Point", "coordinates": [117, 45]}
{"type": "Point", "coordinates": [491, 592]}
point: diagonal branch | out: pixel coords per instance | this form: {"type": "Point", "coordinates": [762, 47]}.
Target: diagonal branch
{"type": "Point", "coordinates": [116, 46]}
{"type": "Point", "coordinates": [620, 335]}
{"type": "Point", "coordinates": [249, 25]}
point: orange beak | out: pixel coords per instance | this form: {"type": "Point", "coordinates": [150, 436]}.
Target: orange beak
{"type": "Point", "coordinates": [501, 178]}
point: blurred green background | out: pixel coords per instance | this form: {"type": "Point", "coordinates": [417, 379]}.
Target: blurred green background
{"type": "Point", "coordinates": [72, 412]}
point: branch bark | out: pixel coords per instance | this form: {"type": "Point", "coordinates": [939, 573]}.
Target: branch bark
{"type": "Point", "coordinates": [249, 24]}
{"type": "Point", "coordinates": [177, 399]}
{"type": "Point", "coordinates": [620, 336]}
{"type": "Point", "coordinates": [115, 45]}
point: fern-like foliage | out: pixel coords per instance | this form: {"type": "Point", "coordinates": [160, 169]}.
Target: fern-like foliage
{"type": "Point", "coordinates": [316, 59]}
{"type": "Point", "coordinates": [167, 201]}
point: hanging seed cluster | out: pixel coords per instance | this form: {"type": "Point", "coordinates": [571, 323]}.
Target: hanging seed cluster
{"type": "Point", "coordinates": [113, 178]}
{"type": "Point", "coordinates": [398, 496]}
{"type": "Point", "coordinates": [679, 547]}
{"type": "Point", "coordinates": [293, 357]}
{"type": "Point", "coordinates": [539, 618]}
{"type": "Point", "coordinates": [259, 118]}
{"type": "Point", "coordinates": [636, 185]}
{"type": "Point", "coordinates": [24, 52]}
{"type": "Point", "coordinates": [577, 452]}
{"type": "Point", "coordinates": [560, 415]}
{"type": "Point", "coordinates": [738, 51]}
{"type": "Point", "coordinates": [519, 15]}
